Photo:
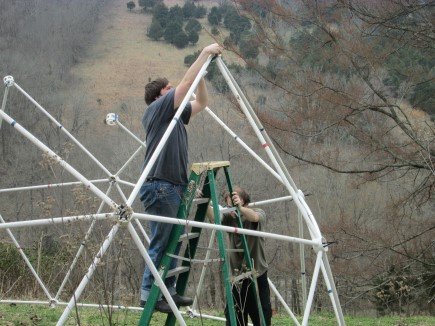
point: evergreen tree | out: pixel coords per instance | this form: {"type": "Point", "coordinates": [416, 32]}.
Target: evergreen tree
{"type": "Point", "coordinates": [131, 5]}
{"type": "Point", "coordinates": [193, 25]}
{"type": "Point", "coordinates": [171, 31]}
{"type": "Point", "coordinates": [176, 14]}
{"type": "Point", "coordinates": [155, 31]}
{"type": "Point", "coordinates": [193, 37]}
{"type": "Point", "coordinates": [200, 12]}
{"type": "Point", "coordinates": [160, 13]}
{"type": "Point", "coordinates": [248, 45]}
{"type": "Point", "coordinates": [181, 40]}
{"type": "Point", "coordinates": [189, 9]}
{"type": "Point", "coordinates": [214, 17]}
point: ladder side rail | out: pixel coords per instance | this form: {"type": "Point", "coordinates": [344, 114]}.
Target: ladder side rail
{"type": "Point", "coordinates": [221, 244]}
{"type": "Point", "coordinates": [145, 319]}
{"type": "Point", "coordinates": [246, 253]}
{"type": "Point", "coordinates": [192, 244]}
{"type": "Point", "coordinates": [176, 231]}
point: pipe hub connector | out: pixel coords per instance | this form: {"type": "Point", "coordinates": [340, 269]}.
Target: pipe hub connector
{"type": "Point", "coordinates": [8, 81]}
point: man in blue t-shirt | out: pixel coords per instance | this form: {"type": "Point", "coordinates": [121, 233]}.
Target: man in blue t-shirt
{"type": "Point", "coordinates": [163, 189]}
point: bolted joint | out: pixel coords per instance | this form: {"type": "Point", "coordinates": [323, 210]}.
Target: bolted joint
{"type": "Point", "coordinates": [113, 179]}
{"type": "Point", "coordinates": [319, 246]}
{"type": "Point", "coordinates": [111, 119]}
{"type": "Point", "coordinates": [8, 81]}
{"type": "Point", "coordinates": [53, 303]}
{"type": "Point", "coordinates": [124, 213]}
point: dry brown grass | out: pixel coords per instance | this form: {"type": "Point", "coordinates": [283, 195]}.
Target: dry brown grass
{"type": "Point", "coordinates": [119, 64]}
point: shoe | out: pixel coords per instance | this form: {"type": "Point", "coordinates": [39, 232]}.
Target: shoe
{"type": "Point", "coordinates": [182, 301]}
{"type": "Point", "coordinates": [161, 306]}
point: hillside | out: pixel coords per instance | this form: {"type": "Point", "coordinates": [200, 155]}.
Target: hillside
{"type": "Point", "coordinates": [119, 64]}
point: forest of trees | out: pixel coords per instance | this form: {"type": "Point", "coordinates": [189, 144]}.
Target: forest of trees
{"type": "Point", "coordinates": [344, 88]}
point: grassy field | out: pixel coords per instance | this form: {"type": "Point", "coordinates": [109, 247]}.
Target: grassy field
{"type": "Point", "coordinates": [23, 315]}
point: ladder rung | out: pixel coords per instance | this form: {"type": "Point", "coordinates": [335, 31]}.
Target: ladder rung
{"type": "Point", "coordinates": [241, 277]}
{"type": "Point", "coordinates": [177, 270]}
{"type": "Point", "coordinates": [216, 249]}
{"type": "Point", "coordinates": [195, 261]}
{"type": "Point", "coordinates": [228, 210]}
{"type": "Point", "coordinates": [188, 236]}
{"type": "Point", "coordinates": [198, 168]}
{"type": "Point", "coordinates": [198, 201]}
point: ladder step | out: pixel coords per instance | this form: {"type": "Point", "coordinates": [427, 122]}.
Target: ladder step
{"type": "Point", "coordinates": [228, 210]}
{"type": "Point", "coordinates": [241, 277]}
{"type": "Point", "coordinates": [196, 261]}
{"type": "Point", "coordinates": [198, 201]}
{"type": "Point", "coordinates": [198, 168]}
{"type": "Point", "coordinates": [188, 236]}
{"type": "Point", "coordinates": [177, 270]}
{"type": "Point", "coordinates": [216, 249]}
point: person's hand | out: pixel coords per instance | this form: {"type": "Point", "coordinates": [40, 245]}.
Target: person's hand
{"type": "Point", "coordinates": [237, 200]}
{"type": "Point", "coordinates": [213, 49]}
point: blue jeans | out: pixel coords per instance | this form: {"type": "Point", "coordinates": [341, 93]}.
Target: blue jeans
{"type": "Point", "coordinates": [162, 198]}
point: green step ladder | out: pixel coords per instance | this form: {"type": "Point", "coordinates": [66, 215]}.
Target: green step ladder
{"type": "Point", "coordinates": [203, 176]}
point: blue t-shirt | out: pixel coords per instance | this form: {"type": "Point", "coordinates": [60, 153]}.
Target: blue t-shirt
{"type": "Point", "coordinates": [171, 165]}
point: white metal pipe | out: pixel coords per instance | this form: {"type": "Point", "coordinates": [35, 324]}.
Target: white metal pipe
{"type": "Point", "coordinates": [27, 261]}
{"type": "Point", "coordinates": [230, 229]}
{"type": "Point", "coordinates": [281, 299]}
{"type": "Point", "coordinates": [270, 201]}
{"type": "Point", "coordinates": [125, 183]}
{"type": "Point", "coordinates": [261, 128]}
{"type": "Point", "coordinates": [78, 304]}
{"type": "Point", "coordinates": [81, 248]}
{"type": "Point", "coordinates": [168, 131]}
{"type": "Point", "coordinates": [302, 259]}
{"type": "Point", "coordinates": [61, 162]}
{"type": "Point", "coordinates": [78, 292]}
{"type": "Point", "coordinates": [257, 123]}
{"type": "Point", "coordinates": [312, 289]}
{"type": "Point", "coordinates": [142, 230]}
{"type": "Point", "coordinates": [56, 220]}
{"type": "Point", "coordinates": [266, 146]}
{"type": "Point", "coordinates": [155, 273]}
{"type": "Point", "coordinates": [5, 97]}
{"type": "Point", "coordinates": [243, 144]}
{"type": "Point", "coordinates": [329, 290]}
{"type": "Point", "coordinates": [330, 277]}
{"type": "Point", "coordinates": [128, 162]}
{"type": "Point", "coordinates": [203, 271]}
{"type": "Point", "coordinates": [47, 186]}
{"type": "Point", "coordinates": [63, 129]}
{"type": "Point", "coordinates": [131, 134]}
{"type": "Point", "coordinates": [193, 313]}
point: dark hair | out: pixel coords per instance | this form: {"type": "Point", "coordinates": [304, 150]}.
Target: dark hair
{"type": "Point", "coordinates": [152, 89]}
{"type": "Point", "coordinates": [243, 194]}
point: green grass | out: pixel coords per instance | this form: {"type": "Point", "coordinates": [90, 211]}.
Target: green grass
{"type": "Point", "coordinates": [23, 315]}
